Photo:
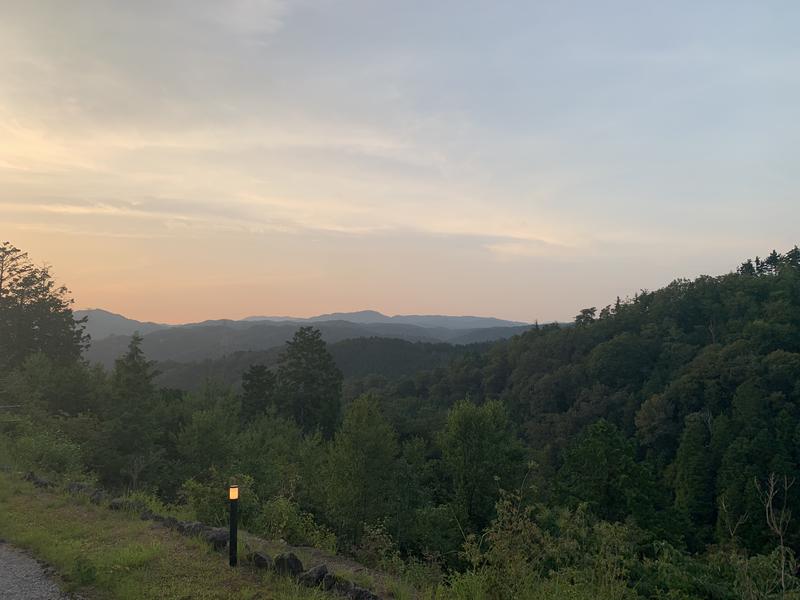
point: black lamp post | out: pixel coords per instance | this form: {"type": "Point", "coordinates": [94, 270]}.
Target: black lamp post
{"type": "Point", "coordinates": [233, 496]}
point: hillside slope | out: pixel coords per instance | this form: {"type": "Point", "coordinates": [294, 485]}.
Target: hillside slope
{"type": "Point", "coordinates": [215, 339]}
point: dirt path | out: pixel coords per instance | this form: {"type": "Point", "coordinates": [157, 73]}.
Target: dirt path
{"type": "Point", "coordinates": [21, 577]}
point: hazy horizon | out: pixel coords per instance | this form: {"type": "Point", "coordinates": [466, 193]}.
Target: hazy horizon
{"type": "Point", "coordinates": [290, 317]}
{"type": "Point", "coordinates": [176, 161]}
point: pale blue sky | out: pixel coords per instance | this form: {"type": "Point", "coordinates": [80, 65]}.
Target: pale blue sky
{"type": "Point", "coordinates": [198, 159]}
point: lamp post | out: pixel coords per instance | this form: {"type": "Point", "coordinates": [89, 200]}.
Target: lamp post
{"type": "Point", "coordinates": [233, 496]}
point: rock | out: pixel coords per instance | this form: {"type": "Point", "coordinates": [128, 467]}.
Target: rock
{"type": "Point", "coordinates": [39, 482]}
{"type": "Point", "coordinates": [314, 576]}
{"type": "Point", "coordinates": [341, 585]}
{"type": "Point", "coordinates": [98, 496]}
{"type": "Point", "coordinates": [170, 522]}
{"type": "Point", "coordinates": [359, 593]}
{"type": "Point", "coordinates": [218, 538]}
{"type": "Point", "coordinates": [288, 564]}
{"type": "Point", "coordinates": [192, 528]}
{"type": "Point", "coordinates": [76, 487]}
{"type": "Point", "coordinates": [261, 560]}
{"type": "Point", "coordinates": [328, 581]}
{"type": "Point", "coordinates": [136, 506]}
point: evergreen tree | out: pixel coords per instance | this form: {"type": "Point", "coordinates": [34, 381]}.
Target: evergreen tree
{"type": "Point", "coordinates": [362, 463]}
{"type": "Point", "coordinates": [694, 479]}
{"type": "Point", "coordinates": [258, 392]}
{"type": "Point", "coordinates": [127, 450]}
{"type": "Point", "coordinates": [309, 383]}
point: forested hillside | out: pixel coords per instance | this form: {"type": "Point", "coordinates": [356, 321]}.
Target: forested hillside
{"type": "Point", "coordinates": [649, 450]}
{"type": "Point", "coordinates": [355, 358]}
{"type": "Point", "coordinates": [214, 340]}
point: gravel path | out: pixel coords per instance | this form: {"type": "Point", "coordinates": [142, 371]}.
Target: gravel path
{"type": "Point", "coordinates": [21, 577]}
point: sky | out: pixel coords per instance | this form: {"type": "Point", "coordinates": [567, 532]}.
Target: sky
{"type": "Point", "coordinates": [183, 160]}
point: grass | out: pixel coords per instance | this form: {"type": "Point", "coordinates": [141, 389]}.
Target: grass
{"type": "Point", "coordinates": [112, 555]}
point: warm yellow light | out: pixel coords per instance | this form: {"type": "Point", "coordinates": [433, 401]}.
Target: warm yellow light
{"type": "Point", "coordinates": [233, 492]}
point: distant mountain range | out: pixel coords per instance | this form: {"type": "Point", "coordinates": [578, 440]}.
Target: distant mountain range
{"type": "Point", "coordinates": [369, 317]}
{"type": "Point", "coordinates": [213, 339]}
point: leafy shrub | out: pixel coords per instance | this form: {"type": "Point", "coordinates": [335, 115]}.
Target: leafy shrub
{"type": "Point", "coordinates": [282, 518]}
{"type": "Point", "coordinates": [43, 448]}
{"type": "Point", "coordinates": [208, 500]}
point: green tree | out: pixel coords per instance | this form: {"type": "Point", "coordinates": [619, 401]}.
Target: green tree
{"type": "Point", "coordinates": [362, 469]}
{"type": "Point", "coordinates": [600, 469]}
{"type": "Point", "coordinates": [309, 383]}
{"type": "Point", "coordinates": [586, 316]}
{"type": "Point", "coordinates": [126, 449]}
{"type": "Point", "coordinates": [35, 313]}
{"type": "Point", "coordinates": [694, 478]}
{"type": "Point", "coordinates": [482, 455]}
{"type": "Point", "coordinates": [258, 392]}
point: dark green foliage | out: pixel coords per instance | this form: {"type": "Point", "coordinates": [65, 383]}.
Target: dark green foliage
{"type": "Point", "coordinates": [600, 470]}
{"type": "Point", "coordinates": [361, 469]}
{"type": "Point", "coordinates": [645, 427]}
{"type": "Point", "coordinates": [694, 479]}
{"type": "Point", "coordinates": [35, 313]}
{"type": "Point", "coordinates": [482, 455]}
{"type": "Point", "coordinates": [309, 385]}
{"type": "Point", "coordinates": [258, 391]}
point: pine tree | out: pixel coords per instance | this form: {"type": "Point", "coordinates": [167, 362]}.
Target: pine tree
{"type": "Point", "coordinates": [258, 392]}
{"type": "Point", "coordinates": [694, 479]}
{"type": "Point", "coordinates": [309, 383]}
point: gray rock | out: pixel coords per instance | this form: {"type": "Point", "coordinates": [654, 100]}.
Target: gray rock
{"type": "Point", "coordinates": [342, 586]}
{"type": "Point", "coordinates": [358, 593]}
{"type": "Point", "coordinates": [191, 527]}
{"type": "Point", "coordinates": [288, 564]}
{"type": "Point", "coordinates": [218, 538]}
{"type": "Point", "coordinates": [328, 581]}
{"type": "Point", "coordinates": [39, 482]}
{"type": "Point", "coordinates": [98, 496]}
{"type": "Point", "coordinates": [314, 576]}
{"type": "Point", "coordinates": [170, 522]}
{"type": "Point", "coordinates": [77, 487]}
{"type": "Point", "coordinates": [261, 560]}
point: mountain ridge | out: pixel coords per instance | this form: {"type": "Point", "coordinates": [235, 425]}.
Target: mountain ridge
{"type": "Point", "coordinates": [102, 324]}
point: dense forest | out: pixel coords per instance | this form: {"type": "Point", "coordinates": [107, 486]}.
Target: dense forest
{"type": "Point", "coordinates": [649, 450]}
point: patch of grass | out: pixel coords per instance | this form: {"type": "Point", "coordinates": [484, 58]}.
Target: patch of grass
{"type": "Point", "coordinates": [109, 555]}
{"type": "Point", "coordinates": [360, 579]}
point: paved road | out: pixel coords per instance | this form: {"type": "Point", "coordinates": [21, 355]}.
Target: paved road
{"type": "Point", "coordinates": [22, 578]}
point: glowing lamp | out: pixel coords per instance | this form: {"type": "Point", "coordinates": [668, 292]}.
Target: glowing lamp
{"type": "Point", "coordinates": [233, 546]}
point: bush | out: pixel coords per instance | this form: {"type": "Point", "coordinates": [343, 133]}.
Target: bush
{"type": "Point", "coordinates": [42, 448]}
{"type": "Point", "coordinates": [282, 518]}
{"type": "Point", "coordinates": [208, 500]}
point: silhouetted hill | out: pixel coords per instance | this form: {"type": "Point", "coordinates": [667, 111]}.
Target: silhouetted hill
{"type": "Point", "coordinates": [104, 324]}
{"type": "Point", "coordinates": [369, 317]}
{"type": "Point", "coordinates": [215, 339]}
{"type": "Point", "coordinates": [101, 324]}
